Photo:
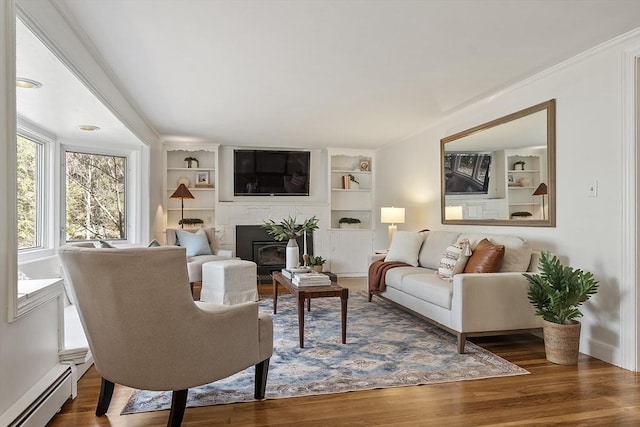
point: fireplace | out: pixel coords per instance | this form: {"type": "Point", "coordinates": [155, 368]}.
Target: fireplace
{"type": "Point", "coordinates": [254, 244]}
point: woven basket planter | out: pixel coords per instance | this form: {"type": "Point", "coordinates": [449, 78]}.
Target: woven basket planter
{"type": "Point", "coordinates": [562, 342]}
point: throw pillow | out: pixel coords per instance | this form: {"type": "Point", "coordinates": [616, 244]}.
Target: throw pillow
{"type": "Point", "coordinates": [486, 258]}
{"type": "Point", "coordinates": [405, 246]}
{"type": "Point", "coordinates": [154, 243]}
{"type": "Point", "coordinates": [454, 259]}
{"type": "Point", "coordinates": [195, 243]}
{"type": "Point", "coordinates": [105, 244]}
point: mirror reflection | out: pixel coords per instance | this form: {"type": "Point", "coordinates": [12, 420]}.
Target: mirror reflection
{"type": "Point", "coordinates": [501, 172]}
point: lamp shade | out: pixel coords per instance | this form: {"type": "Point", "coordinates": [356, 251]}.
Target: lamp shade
{"type": "Point", "coordinates": [392, 215]}
{"type": "Point", "coordinates": [182, 192]}
{"type": "Point", "coordinates": [541, 190]}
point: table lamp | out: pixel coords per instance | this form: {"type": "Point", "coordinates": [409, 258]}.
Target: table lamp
{"type": "Point", "coordinates": [392, 216]}
{"type": "Point", "coordinates": [182, 192]}
{"type": "Point", "coordinates": [542, 191]}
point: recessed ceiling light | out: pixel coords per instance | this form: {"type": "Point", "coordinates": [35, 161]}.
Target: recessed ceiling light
{"type": "Point", "coordinates": [27, 83]}
{"type": "Point", "coordinates": [89, 128]}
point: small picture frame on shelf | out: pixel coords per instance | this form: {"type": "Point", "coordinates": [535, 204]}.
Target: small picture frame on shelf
{"type": "Point", "coordinates": [202, 177]}
{"type": "Point", "coordinates": [365, 166]}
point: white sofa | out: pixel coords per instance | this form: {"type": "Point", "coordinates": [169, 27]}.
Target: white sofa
{"type": "Point", "coordinates": [469, 304]}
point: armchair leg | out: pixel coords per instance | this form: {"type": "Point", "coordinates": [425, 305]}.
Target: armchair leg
{"type": "Point", "coordinates": [106, 392]}
{"type": "Point", "coordinates": [178, 404]}
{"type": "Point", "coordinates": [262, 369]}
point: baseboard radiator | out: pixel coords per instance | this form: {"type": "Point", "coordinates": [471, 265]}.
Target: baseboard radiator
{"type": "Point", "coordinates": [47, 404]}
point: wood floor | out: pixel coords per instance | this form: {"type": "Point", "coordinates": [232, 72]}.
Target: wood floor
{"type": "Point", "coordinates": [592, 393]}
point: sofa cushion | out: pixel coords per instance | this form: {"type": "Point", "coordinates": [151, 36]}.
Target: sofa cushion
{"type": "Point", "coordinates": [430, 288]}
{"type": "Point", "coordinates": [487, 258]}
{"type": "Point", "coordinates": [454, 259]}
{"type": "Point", "coordinates": [394, 276]}
{"type": "Point", "coordinates": [195, 243]}
{"type": "Point", "coordinates": [435, 243]}
{"type": "Point", "coordinates": [405, 246]}
{"type": "Point", "coordinates": [517, 251]}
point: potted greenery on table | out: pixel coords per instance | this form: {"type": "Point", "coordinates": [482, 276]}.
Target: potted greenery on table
{"type": "Point", "coordinates": [556, 293]}
{"type": "Point", "coordinates": [317, 263]}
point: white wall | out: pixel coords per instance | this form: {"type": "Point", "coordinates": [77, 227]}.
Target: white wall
{"type": "Point", "coordinates": [589, 231]}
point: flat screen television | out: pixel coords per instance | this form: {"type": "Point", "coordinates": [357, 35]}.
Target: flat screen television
{"type": "Point", "coordinates": [466, 173]}
{"type": "Point", "coordinates": [271, 173]}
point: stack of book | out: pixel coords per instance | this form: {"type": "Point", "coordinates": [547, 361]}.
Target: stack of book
{"type": "Point", "coordinates": [311, 279]}
{"type": "Point", "coordinates": [293, 271]}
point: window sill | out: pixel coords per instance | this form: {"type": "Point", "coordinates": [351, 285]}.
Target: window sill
{"type": "Point", "coordinates": [35, 292]}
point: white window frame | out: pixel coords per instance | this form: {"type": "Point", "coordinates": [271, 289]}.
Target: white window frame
{"type": "Point", "coordinates": [47, 192]}
{"type": "Point", "coordinates": [132, 186]}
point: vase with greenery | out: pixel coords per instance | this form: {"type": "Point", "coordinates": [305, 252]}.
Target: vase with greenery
{"type": "Point", "coordinates": [289, 229]}
{"type": "Point", "coordinates": [556, 292]}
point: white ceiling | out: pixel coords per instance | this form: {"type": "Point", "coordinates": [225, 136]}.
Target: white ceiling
{"type": "Point", "coordinates": [328, 73]}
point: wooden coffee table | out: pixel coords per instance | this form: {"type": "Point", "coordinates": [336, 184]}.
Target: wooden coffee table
{"type": "Point", "coordinates": [303, 293]}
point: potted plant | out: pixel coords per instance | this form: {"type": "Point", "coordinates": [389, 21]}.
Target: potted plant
{"type": "Point", "coordinates": [317, 263]}
{"type": "Point", "coordinates": [346, 222]}
{"type": "Point", "coordinates": [556, 293]}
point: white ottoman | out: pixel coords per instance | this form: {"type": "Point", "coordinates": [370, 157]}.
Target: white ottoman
{"type": "Point", "coordinates": [229, 282]}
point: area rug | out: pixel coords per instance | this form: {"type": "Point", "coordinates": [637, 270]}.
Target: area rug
{"type": "Point", "coordinates": [386, 347]}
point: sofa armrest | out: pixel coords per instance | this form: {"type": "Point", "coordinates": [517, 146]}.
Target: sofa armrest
{"type": "Point", "coordinates": [483, 302]}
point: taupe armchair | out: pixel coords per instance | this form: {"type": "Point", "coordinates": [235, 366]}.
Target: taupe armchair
{"type": "Point", "coordinates": [145, 331]}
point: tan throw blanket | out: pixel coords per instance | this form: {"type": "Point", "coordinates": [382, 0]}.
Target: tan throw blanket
{"type": "Point", "coordinates": [377, 273]}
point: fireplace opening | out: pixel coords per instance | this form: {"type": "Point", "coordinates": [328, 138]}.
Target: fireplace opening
{"type": "Point", "coordinates": [270, 254]}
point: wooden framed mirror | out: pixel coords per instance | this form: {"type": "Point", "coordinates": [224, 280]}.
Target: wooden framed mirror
{"type": "Point", "coordinates": [502, 172]}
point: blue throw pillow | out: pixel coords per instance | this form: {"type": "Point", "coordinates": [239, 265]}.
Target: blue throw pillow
{"type": "Point", "coordinates": [195, 243]}
{"type": "Point", "coordinates": [154, 243]}
{"type": "Point", "coordinates": [105, 244]}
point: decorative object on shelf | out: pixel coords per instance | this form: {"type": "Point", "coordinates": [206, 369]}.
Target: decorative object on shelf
{"type": "Point", "coordinates": [521, 215]}
{"type": "Point", "coordinates": [191, 221]}
{"type": "Point", "coordinates": [182, 192]}
{"type": "Point", "coordinates": [316, 263]}
{"type": "Point", "coordinates": [353, 183]}
{"type": "Point", "coordinates": [524, 181]}
{"type": "Point", "coordinates": [365, 166]}
{"type": "Point", "coordinates": [392, 216]}
{"type": "Point", "coordinates": [289, 229]}
{"type": "Point", "coordinates": [188, 162]}
{"type": "Point", "coordinates": [202, 177]}
{"type": "Point", "coordinates": [346, 222]}
{"type": "Point", "coordinates": [510, 180]}
{"type": "Point", "coordinates": [542, 190]}
{"type": "Point", "coordinates": [556, 293]}
{"type": "Point", "coordinates": [183, 180]}
{"type": "Point", "coordinates": [519, 165]}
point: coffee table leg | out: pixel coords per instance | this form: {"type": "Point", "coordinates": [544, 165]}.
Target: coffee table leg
{"type": "Point", "coordinates": [308, 304]}
{"type": "Point", "coordinates": [301, 318]}
{"type": "Point", "coordinates": [275, 296]}
{"type": "Point", "coordinates": [343, 300]}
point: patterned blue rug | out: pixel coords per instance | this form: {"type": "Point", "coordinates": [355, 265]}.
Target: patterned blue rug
{"type": "Point", "coordinates": [386, 347]}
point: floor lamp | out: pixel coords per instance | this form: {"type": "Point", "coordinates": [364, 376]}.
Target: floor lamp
{"type": "Point", "coordinates": [542, 191]}
{"type": "Point", "coordinates": [182, 192]}
{"type": "Point", "coordinates": [392, 216]}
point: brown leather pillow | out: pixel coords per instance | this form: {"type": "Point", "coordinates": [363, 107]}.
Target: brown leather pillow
{"type": "Point", "coordinates": [486, 258]}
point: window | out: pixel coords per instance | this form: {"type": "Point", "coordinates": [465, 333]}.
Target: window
{"type": "Point", "coordinates": [30, 194]}
{"type": "Point", "coordinates": [95, 196]}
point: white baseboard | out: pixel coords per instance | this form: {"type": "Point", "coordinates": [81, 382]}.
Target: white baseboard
{"type": "Point", "coordinates": [38, 405]}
